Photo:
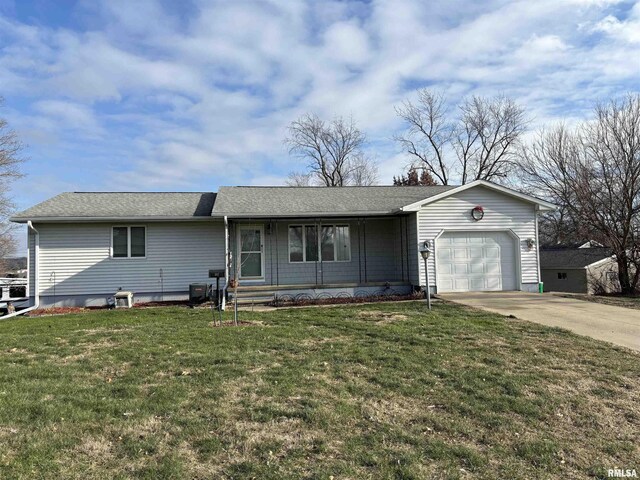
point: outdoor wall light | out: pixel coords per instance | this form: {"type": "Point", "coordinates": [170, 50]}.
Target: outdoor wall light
{"type": "Point", "coordinates": [425, 251]}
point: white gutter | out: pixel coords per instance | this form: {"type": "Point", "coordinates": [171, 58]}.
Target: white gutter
{"type": "Point", "coordinates": [537, 215]}
{"type": "Point", "coordinates": [160, 218]}
{"type": "Point", "coordinates": [36, 275]}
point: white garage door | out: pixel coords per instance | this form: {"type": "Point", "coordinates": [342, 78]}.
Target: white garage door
{"type": "Point", "coordinates": [475, 262]}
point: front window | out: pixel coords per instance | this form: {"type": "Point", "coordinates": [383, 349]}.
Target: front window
{"type": "Point", "coordinates": [562, 275]}
{"type": "Point", "coordinates": [128, 242]}
{"type": "Point", "coordinates": [327, 243]}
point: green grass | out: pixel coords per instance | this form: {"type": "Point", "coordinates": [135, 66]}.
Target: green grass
{"type": "Point", "coordinates": [378, 391]}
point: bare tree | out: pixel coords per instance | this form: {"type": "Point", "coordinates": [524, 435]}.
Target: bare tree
{"type": "Point", "coordinates": [428, 133]}
{"type": "Point", "coordinates": [480, 143]}
{"type": "Point", "coordinates": [7, 246]}
{"type": "Point", "coordinates": [333, 152]}
{"type": "Point", "coordinates": [593, 172]}
{"type": "Point", "coordinates": [10, 159]}
{"type": "Point", "coordinates": [299, 179]}
{"type": "Point", "coordinates": [363, 171]}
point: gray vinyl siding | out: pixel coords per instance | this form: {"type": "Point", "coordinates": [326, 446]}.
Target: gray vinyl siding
{"type": "Point", "coordinates": [376, 248]}
{"type": "Point", "coordinates": [76, 258]}
{"type": "Point", "coordinates": [501, 212]}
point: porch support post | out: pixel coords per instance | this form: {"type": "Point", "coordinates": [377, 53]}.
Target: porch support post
{"type": "Point", "coordinates": [406, 245]}
{"type": "Point", "coordinates": [364, 246]}
{"type": "Point", "coordinates": [402, 252]}
{"type": "Point", "coordinates": [315, 264]}
{"type": "Point", "coordinates": [271, 251]}
{"type": "Point", "coordinates": [320, 247]}
{"type": "Point", "coordinates": [278, 255]}
{"type": "Point", "coordinates": [359, 254]}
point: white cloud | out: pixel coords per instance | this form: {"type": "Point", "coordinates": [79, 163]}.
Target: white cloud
{"type": "Point", "coordinates": [204, 98]}
{"type": "Point", "coordinates": [625, 31]}
{"type": "Point", "coordinates": [68, 116]}
{"type": "Point", "coordinates": [347, 43]}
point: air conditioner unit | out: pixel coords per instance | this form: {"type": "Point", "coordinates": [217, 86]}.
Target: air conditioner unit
{"type": "Point", "coordinates": [124, 299]}
{"type": "Point", "coordinates": [198, 293]}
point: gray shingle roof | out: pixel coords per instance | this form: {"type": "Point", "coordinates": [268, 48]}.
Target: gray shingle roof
{"type": "Point", "coordinates": [572, 257]}
{"type": "Point", "coordinates": [321, 201]}
{"type": "Point", "coordinates": [109, 205]}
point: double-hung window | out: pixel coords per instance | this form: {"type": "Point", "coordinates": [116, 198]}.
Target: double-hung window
{"type": "Point", "coordinates": [313, 243]}
{"type": "Point", "coordinates": [129, 242]}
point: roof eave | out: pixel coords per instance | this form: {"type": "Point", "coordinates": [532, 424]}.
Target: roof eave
{"type": "Point", "coordinates": [306, 214]}
{"type": "Point", "coordinates": [62, 219]}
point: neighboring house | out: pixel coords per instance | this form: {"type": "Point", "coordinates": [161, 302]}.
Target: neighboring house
{"type": "Point", "coordinates": [83, 247]}
{"type": "Point", "coordinates": [583, 269]}
{"type": "Point", "coordinates": [13, 267]}
{"type": "Point", "coordinates": [13, 274]}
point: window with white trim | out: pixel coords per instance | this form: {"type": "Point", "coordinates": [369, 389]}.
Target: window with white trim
{"type": "Point", "coordinates": [129, 242]}
{"type": "Point", "coordinates": [313, 243]}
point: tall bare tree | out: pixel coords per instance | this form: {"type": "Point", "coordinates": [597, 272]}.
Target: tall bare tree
{"type": "Point", "coordinates": [593, 173]}
{"type": "Point", "coordinates": [299, 179]}
{"type": "Point", "coordinates": [333, 152]}
{"type": "Point", "coordinates": [479, 143]}
{"type": "Point", "coordinates": [10, 159]}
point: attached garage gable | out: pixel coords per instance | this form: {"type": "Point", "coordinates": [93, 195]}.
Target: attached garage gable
{"type": "Point", "coordinates": [476, 261]}
{"type": "Point", "coordinates": [496, 252]}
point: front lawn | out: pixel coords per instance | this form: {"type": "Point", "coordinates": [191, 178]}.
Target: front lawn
{"type": "Point", "coordinates": [377, 391]}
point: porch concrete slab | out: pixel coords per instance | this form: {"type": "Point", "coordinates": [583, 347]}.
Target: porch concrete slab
{"type": "Point", "coordinates": [618, 325]}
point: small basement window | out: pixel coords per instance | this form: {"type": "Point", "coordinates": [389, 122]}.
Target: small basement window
{"type": "Point", "coordinates": [562, 275]}
{"type": "Point", "coordinates": [129, 242]}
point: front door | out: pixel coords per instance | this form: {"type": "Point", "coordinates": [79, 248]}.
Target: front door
{"type": "Point", "coordinates": [250, 238]}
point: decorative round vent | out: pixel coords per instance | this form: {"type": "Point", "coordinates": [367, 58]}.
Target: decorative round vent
{"type": "Point", "coordinates": [477, 213]}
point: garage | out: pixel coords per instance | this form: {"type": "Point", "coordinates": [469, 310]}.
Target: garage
{"type": "Point", "coordinates": [476, 262]}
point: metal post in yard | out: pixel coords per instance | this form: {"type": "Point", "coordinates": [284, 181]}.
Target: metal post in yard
{"type": "Point", "coordinates": [425, 251]}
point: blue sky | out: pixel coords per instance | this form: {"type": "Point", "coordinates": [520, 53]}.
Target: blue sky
{"type": "Point", "coordinates": [190, 95]}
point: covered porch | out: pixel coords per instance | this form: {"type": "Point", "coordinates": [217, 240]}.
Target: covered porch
{"type": "Point", "coordinates": [323, 256]}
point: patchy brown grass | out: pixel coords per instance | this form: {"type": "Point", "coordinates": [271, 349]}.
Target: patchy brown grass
{"type": "Point", "coordinates": [381, 391]}
{"type": "Point", "coordinates": [381, 317]}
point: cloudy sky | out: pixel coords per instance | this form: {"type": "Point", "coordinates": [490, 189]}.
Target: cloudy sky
{"type": "Point", "coordinates": [193, 94]}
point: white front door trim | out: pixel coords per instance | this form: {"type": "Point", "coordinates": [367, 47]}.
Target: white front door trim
{"type": "Point", "coordinates": [246, 226]}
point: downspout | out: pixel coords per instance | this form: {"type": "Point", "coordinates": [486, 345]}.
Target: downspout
{"type": "Point", "coordinates": [226, 262]}
{"type": "Point", "coordinates": [537, 211]}
{"type": "Point", "coordinates": [36, 275]}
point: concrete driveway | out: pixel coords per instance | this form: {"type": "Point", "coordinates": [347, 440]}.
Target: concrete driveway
{"type": "Point", "coordinates": [604, 322]}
